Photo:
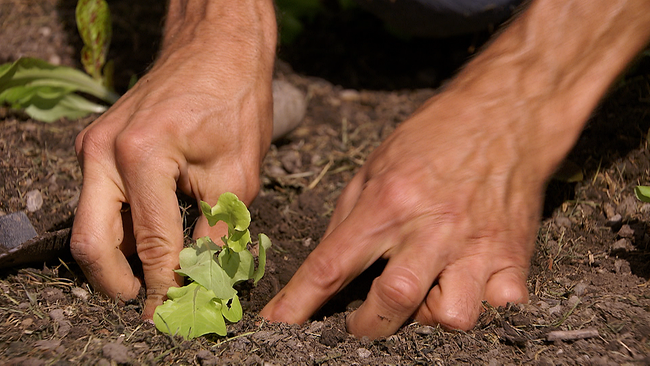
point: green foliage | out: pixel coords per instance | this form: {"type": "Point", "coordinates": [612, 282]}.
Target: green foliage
{"type": "Point", "coordinates": [292, 14]}
{"type": "Point", "coordinates": [200, 307]}
{"type": "Point", "coordinates": [47, 92]}
{"type": "Point", "coordinates": [642, 193]}
{"type": "Point", "coordinates": [94, 25]}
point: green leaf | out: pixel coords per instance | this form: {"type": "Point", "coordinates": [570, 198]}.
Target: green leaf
{"type": "Point", "coordinates": [205, 270]}
{"type": "Point", "coordinates": [70, 106]}
{"type": "Point", "coordinates": [32, 72]}
{"type": "Point", "coordinates": [642, 193]}
{"type": "Point", "coordinates": [230, 210]}
{"type": "Point", "coordinates": [191, 311]}
{"type": "Point", "coordinates": [292, 13]}
{"type": "Point", "coordinates": [264, 245]}
{"type": "Point", "coordinates": [94, 24]}
{"type": "Point", "coordinates": [238, 265]}
{"type": "Point", "coordinates": [237, 240]}
{"type": "Point", "coordinates": [231, 309]}
{"type": "Point", "coordinates": [214, 278]}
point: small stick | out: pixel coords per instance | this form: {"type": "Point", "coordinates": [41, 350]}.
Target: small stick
{"type": "Point", "coordinates": [569, 335]}
{"type": "Point", "coordinates": [320, 176]}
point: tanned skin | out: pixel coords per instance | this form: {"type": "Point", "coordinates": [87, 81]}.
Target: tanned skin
{"type": "Point", "coordinates": [199, 122]}
{"type": "Point", "coordinates": [460, 183]}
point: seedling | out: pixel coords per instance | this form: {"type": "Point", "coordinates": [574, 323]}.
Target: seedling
{"type": "Point", "coordinates": [642, 193]}
{"type": "Point", "coordinates": [200, 307]}
{"type": "Point", "coordinates": [48, 92]}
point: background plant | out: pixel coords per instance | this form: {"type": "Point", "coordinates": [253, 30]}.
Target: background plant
{"type": "Point", "coordinates": [49, 92]}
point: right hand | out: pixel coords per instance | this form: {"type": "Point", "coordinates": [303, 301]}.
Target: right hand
{"type": "Point", "coordinates": [200, 122]}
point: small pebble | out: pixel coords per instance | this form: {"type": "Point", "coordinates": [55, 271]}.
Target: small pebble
{"type": "Point", "coordinates": [622, 267]}
{"type": "Point", "coordinates": [45, 31]}
{"type": "Point", "coordinates": [621, 244]}
{"type": "Point", "coordinates": [116, 352]}
{"type": "Point", "coordinates": [425, 330]}
{"type": "Point", "coordinates": [580, 289]}
{"type": "Point", "coordinates": [609, 212]}
{"type": "Point", "coordinates": [276, 171]}
{"type": "Point", "coordinates": [626, 231]}
{"type": "Point", "coordinates": [364, 353]}
{"type": "Point", "coordinates": [627, 207]}
{"type": "Point", "coordinates": [615, 220]}
{"type": "Point", "coordinates": [80, 293]}
{"type": "Point", "coordinates": [34, 200]}
{"type": "Point", "coordinates": [573, 301]}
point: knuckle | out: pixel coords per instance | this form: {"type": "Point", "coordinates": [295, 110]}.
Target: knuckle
{"type": "Point", "coordinates": [133, 147]}
{"type": "Point", "coordinates": [459, 315]}
{"type": "Point", "coordinates": [92, 142]}
{"type": "Point", "coordinates": [399, 290]}
{"type": "Point", "coordinates": [157, 253]}
{"type": "Point", "coordinates": [325, 273]}
{"type": "Point", "coordinates": [83, 251]}
{"type": "Point", "coordinates": [78, 142]}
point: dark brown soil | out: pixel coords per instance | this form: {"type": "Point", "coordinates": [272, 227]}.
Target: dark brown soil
{"type": "Point", "coordinates": [591, 270]}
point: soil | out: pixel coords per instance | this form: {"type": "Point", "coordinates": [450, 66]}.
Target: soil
{"type": "Point", "coordinates": [590, 273]}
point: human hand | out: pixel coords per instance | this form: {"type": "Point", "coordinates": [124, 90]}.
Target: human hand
{"type": "Point", "coordinates": [451, 199]}
{"type": "Point", "coordinates": [199, 122]}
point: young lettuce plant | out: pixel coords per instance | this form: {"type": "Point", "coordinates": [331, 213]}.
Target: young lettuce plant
{"type": "Point", "coordinates": [642, 193]}
{"type": "Point", "coordinates": [200, 307]}
{"type": "Point", "coordinates": [48, 92]}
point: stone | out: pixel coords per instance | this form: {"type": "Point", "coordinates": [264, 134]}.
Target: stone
{"type": "Point", "coordinates": [580, 289]}
{"type": "Point", "coordinates": [626, 231]}
{"type": "Point", "coordinates": [621, 245]}
{"type": "Point", "coordinates": [116, 352]}
{"type": "Point", "coordinates": [15, 229]}
{"type": "Point", "coordinates": [33, 200]}
{"type": "Point", "coordinates": [364, 353]}
{"type": "Point", "coordinates": [289, 108]}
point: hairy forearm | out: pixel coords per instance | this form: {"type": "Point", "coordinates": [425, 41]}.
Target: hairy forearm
{"type": "Point", "coordinates": [555, 62]}
{"type": "Point", "coordinates": [246, 28]}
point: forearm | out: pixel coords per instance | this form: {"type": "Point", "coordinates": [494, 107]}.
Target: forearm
{"type": "Point", "coordinates": [247, 21]}
{"type": "Point", "coordinates": [245, 29]}
{"type": "Point", "coordinates": [555, 62]}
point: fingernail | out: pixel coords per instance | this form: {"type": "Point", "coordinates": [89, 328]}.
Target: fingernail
{"type": "Point", "coordinates": [350, 320]}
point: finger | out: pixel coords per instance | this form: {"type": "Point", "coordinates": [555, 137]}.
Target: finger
{"type": "Point", "coordinates": [98, 237]}
{"type": "Point", "coordinates": [507, 285]}
{"type": "Point", "coordinates": [339, 258]}
{"type": "Point", "coordinates": [399, 291]}
{"type": "Point", "coordinates": [346, 201]}
{"type": "Point", "coordinates": [215, 232]}
{"type": "Point", "coordinates": [455, 302]}
{"type": "Point", "coordinates": [157, 226]}
{"type": "Point", "coordinates": [211, 197]}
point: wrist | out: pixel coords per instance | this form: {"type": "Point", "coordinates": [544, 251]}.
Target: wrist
{"type": "Point", "coordinates": [552, 66]}
{"type": "Point", "coordinates": [245, 27]}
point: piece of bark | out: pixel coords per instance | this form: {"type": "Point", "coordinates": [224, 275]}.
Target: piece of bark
{"type": "Point", "coordinates": [15, 229]}
{"type": "Point", "coordinates": [570, 335]}
{"type": "Point", "coordinates": [46, 247]}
